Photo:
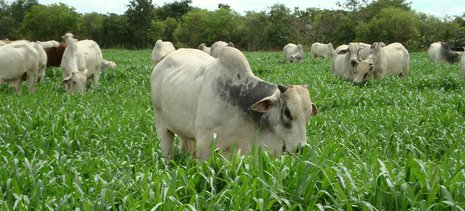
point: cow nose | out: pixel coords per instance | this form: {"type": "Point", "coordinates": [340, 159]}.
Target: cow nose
{"type": "Point", "coordinates": [353, 62]}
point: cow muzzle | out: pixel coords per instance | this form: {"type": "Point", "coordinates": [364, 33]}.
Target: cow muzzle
{"type": "Point", "coordinates": [353, 62]}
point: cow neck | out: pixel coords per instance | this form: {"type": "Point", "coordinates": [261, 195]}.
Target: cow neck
{"type": "Point", "coordinates": [242, 92]}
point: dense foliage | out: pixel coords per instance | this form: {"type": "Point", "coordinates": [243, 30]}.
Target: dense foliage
{"type": "Point", "coordinates": [186, 26]}
{"type": "Point", "coordinates": [391, 144]}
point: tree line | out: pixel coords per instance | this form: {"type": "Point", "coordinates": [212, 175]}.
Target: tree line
{"type": "Point", "coordinates": [270, 29]}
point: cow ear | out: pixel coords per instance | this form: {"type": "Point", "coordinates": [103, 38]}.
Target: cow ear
{"type": "Point", "coordinates": [344, 51]}
{"type": "Point", "coordinates": [66, 80]}
{"type": "Point", "coordinates": [265, 105]}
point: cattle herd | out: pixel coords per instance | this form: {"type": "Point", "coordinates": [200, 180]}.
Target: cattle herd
{"type": "Point", "coordinates": [210, 94]}
{"type": "Point", "coordinates": [24, 60]}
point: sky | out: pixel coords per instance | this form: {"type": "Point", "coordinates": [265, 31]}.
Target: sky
{"type": "Point", "coordinates": [433, 7]}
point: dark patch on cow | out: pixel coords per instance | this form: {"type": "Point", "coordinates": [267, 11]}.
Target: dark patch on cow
{"type": "Point", "coordinates": [54, 55]}
{"type": "Point", "coordinates": [286, 117]}
{"type": "Point", "coordinates": [246, 94]}
{"type": "Point", "coordinates": [448, 54]}
{"type": "Point", "coordinates": [200, 73]}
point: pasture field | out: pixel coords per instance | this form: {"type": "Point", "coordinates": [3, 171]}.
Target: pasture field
{"type": "Point", "coordinates": [391, 144]}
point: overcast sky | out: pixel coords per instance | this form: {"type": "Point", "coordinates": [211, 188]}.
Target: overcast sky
{"type": "Point", "coordinates": [434, 7]}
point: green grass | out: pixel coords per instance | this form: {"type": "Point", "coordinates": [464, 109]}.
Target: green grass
{"type": "Point", "coordinates": [391, 144]}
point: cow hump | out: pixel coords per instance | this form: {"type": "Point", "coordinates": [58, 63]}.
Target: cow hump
{"type": "Point", "coordinates": [234, 61]}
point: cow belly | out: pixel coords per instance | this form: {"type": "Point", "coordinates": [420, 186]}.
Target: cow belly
{"type": "Point", "coordinates": [12, 67]}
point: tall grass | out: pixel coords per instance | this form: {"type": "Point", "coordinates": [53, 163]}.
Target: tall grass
{"type": "Point", "coordinates": [391, 144]}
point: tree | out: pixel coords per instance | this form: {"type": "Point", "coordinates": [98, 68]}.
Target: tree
{"type": "Point", "coordinates": [255, 24]}
{"type": "Point", "coordinates": [174, 10]}
{"type": "Point", "coordinates": [91, 26]}
{"type": "Point", "coordinates": [191, 30]}
{"type": "Point", "coordinates": [49, 22]}
{"type": "Point", "coordinates": [390, 25]}
{"type": "Point", "coordinates": [139, 14]}
{"type": "Point", "coordinates": [333, 26]}
{"type": "Point", "coordinates": [115, 31]}
{"type": "Point", "coordinates": [223, 24]}
{"type": "Point", "coordinates": [282, 29]}
{"type": "Point", "coordinates": [11, 16]}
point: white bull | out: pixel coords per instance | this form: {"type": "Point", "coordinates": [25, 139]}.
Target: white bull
{"type": "Point", "coordinates": [293, 53]}
{"type": "Point", "coordinates": [160, 50]}
{"type": "Point", "coordinates": [346, 59]}
{"type": "Point", "coordinates": [440, 52]}
{"type": "Point", "coordinates": [19, 61]}
{"type": "Point", "coordinates": [82, 57]}
{"type": "Point", "coordinates": [322, 50]}
{"type": "Point", "coordinates": [392, 59]}
{"type": "Point", "coordinates": [196, 96]}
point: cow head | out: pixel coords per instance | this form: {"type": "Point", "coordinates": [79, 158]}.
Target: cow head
{"type": "Point", "coordinates": [295, 58]}
{"type": "Point", "coordinates": [75, 82]}
{"type": "Point", "coordinates": [288, 109]}
{"type": "Point", "coordinates": [69, 37]}
{"type": "Point", "coordinates": [363, 71]}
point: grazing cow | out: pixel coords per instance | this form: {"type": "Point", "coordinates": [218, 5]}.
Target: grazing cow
{"type": "Point", "coordinates": [218, 46]}
{"type": "Point", "coordinates": [18, 62]}
{"type": "Point", "coordinates": [293, 53]}
{"type": "Point", "coordinates": [82, 57]}
{"type": "Point", "coordinates": [196, 96]}
{"type": "Point", "coordinates": [160, 50]}
{"type": "Point", "coordinates": [76, 81]}
{"type": "Point", "coordinates": [462, 64]}
{"type": "Point", "coordinates": [204, 48]}
{"type": "Point", "coordinates": [392, 59]}
{"type": "Point", "coordinates": [322, 50]}
{"type": "Point", "coordinates": [440, 52]}
{"type": "Point", "coordinates": [346, 58]}
{"type": "Point", "coordinates": [55, 54]}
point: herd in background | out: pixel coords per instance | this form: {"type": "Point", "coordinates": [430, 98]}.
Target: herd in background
{"type": "Point", "coordinates": [211, 93]}
{"type": "Point", "coordinates": [79, 60]}
{"type": "Point", "coordinates": [358, 62]}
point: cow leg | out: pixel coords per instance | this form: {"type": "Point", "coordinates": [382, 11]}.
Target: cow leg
{"type": "Point", "coordinates": [32, 80]}
{"type": "Point", "coordinates": [17, 85]}
{"type": "Point", "coordinates": [96, 77]}
{"type": "Point", "coordinates": [188, 145]}
{"type": "Point", "coordinates": [166, 139]}
{"type": "Point", "coordinates": [203, 146]}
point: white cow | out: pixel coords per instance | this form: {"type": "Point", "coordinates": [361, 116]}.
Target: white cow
{"type": "Point", "coordinates": [293, 53]}
{"type": "Point", "coordinates": [18, 62]}
{"type": "Point", "coordinates": [218, 46]}
{"type": "Point", "coordinates": [462, 64]}
{"type": "Point", "coordinates": [203, 47]}
{"type": "Point", "coordinates": [49, 44]}
{"type": "Point", "coordinates": [440, 52]}
{"type": "Point", "coordinates": [346, 58]}
{"type": "Point", "coordinates": [41, 55]}
{"type": "Point", "coordinates": [160, 50]}
{"type": "Point", "coordinates": [392, 59]}
{"type": "Point", "coordinates": [42, 59]}
{"type": "Point", "coordinates": [322, 50]}
{"type": "Point", "coordinates": [82, 57]}
{"type": "Point", "coordinates": [197, 96]}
